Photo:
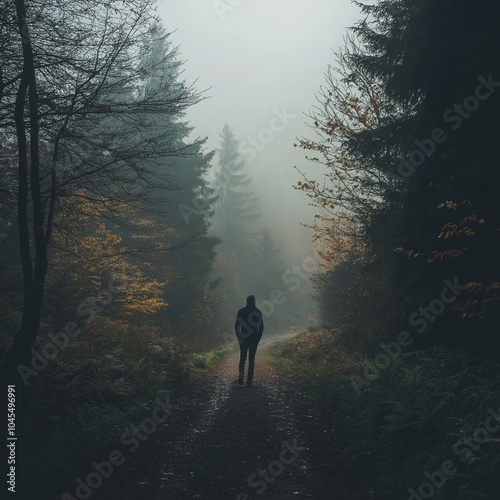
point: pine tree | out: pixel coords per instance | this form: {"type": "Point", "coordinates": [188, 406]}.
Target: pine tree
{"type": "Point", "coordinates": [235, 211]}
{"type": "Point", "coordinates": [270, 262]}
{"type": "Point", "coordinates": [235, 222]}
{"type": "Point", "coordinates": [438, 63]}
{"type": "Point", "coordinates": [187, 204]}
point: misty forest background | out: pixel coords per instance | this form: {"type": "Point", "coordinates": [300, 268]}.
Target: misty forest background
{"type": "Point", "coordinates": [115, 221]}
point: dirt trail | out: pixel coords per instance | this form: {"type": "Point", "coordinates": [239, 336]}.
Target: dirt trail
{"type": "Point", "coordinates": [214, 445]}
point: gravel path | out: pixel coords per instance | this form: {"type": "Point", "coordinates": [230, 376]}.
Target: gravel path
{"type": "Point", "coordinates": [227, 441]}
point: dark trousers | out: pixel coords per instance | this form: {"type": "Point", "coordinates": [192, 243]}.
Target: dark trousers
{"type": "Point", "coordinates": [248, 346]}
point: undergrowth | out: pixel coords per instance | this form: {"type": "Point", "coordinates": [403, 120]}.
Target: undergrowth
{"type": "Point", "coordinates": [404, 425]}
{"type": "Point", "coordinates": [209, 359]}
{"type": "Point", "coordinates": [75, 410]}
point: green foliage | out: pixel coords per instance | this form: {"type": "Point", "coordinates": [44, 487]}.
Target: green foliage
{"type": "Point", "coordinates": [210, 359]}
{"type": "Point", "coordinates": [408, 420]}
{"type": "Point", "coordinates": [105, 380]}
{"type": "Point", "coordinates": [429, 58]}
{"type": "Point", "coordinates": [420, 208]}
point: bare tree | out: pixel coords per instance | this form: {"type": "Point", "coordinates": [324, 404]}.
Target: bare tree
{"type": "Point", "coordinates": [73, 90]}
{"type": "Point", "coordinates": [352, 187]}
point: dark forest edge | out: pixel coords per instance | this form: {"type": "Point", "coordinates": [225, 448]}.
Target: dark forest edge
{"type": "Point", "coordinates": [408, 229]}
{"type": "Point", "coordinates": [424, 414]}
{"type": "Point", "coordinates": [83, 403]}
{"type": "Point", "coordinates": [408, 225]}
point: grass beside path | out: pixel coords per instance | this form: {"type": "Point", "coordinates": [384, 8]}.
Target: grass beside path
{"type": "Point", "coordinates": [76, 410]}
{"type": "Point", "coordinates": [207, 360]}
{"type": "Point", "coordinates": [423, 414]}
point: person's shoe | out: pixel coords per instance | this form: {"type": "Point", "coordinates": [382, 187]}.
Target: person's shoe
{"type": "Point", "coordinates": [249, 383]}
{"type": "Point", "coordinates": [240, 380]}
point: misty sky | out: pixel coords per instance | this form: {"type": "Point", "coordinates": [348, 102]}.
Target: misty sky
{"type": "Point", "coordinates": [264, 61]}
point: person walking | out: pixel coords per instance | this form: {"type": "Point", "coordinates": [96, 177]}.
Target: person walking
{"type": "Point", "coordinates": [249, 327]}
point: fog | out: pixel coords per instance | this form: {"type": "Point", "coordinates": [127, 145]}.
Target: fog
{"type": "Point", "coordinates": [171, 326]}
{"type": "Point", "coordinates": [260, 60]}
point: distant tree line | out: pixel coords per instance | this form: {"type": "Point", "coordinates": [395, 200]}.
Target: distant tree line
{"type": "Point", "coordinates": [250, 259]}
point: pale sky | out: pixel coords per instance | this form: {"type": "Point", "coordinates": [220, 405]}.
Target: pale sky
{"type": "Point", "coordinates": [263, 59]}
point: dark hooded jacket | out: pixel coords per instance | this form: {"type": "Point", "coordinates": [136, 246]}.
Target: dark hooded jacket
{"type": "Point", "coordinates": [249, 323]}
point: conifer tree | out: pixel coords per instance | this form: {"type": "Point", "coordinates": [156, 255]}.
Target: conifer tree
{"type": "Point", "coordinates": [235, 215]}
{"type": "Point", "coordinates": [438, 63]}
{"type": "Point", "coordinates": [235, 223]}
{"type": "Point", "coordinates": [184, 173]}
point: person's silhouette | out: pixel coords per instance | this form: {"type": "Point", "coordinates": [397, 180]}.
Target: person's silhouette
{"type": "Point", "coordinates": [249, 327]}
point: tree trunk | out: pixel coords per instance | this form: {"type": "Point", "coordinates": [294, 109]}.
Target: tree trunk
{"type": "Point", "coordinates": [33, 276]}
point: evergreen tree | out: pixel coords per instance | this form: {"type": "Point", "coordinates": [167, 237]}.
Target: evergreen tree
{"type": "Point", "coordinates": [268, 280]}
{"type": "Point", "coordinates": [438, 63]}
{"type": "Point", "coordinates": [269, 264]}
{"type": "Point", "coordinates": [235, 222]}
{"type": "Point", "coordinates": [235, 212]}
{"type": "Point", "coordinates": [185, 172]}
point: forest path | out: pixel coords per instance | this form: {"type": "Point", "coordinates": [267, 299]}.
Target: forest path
{"type": "Point", "coordinates": [214, 444]}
